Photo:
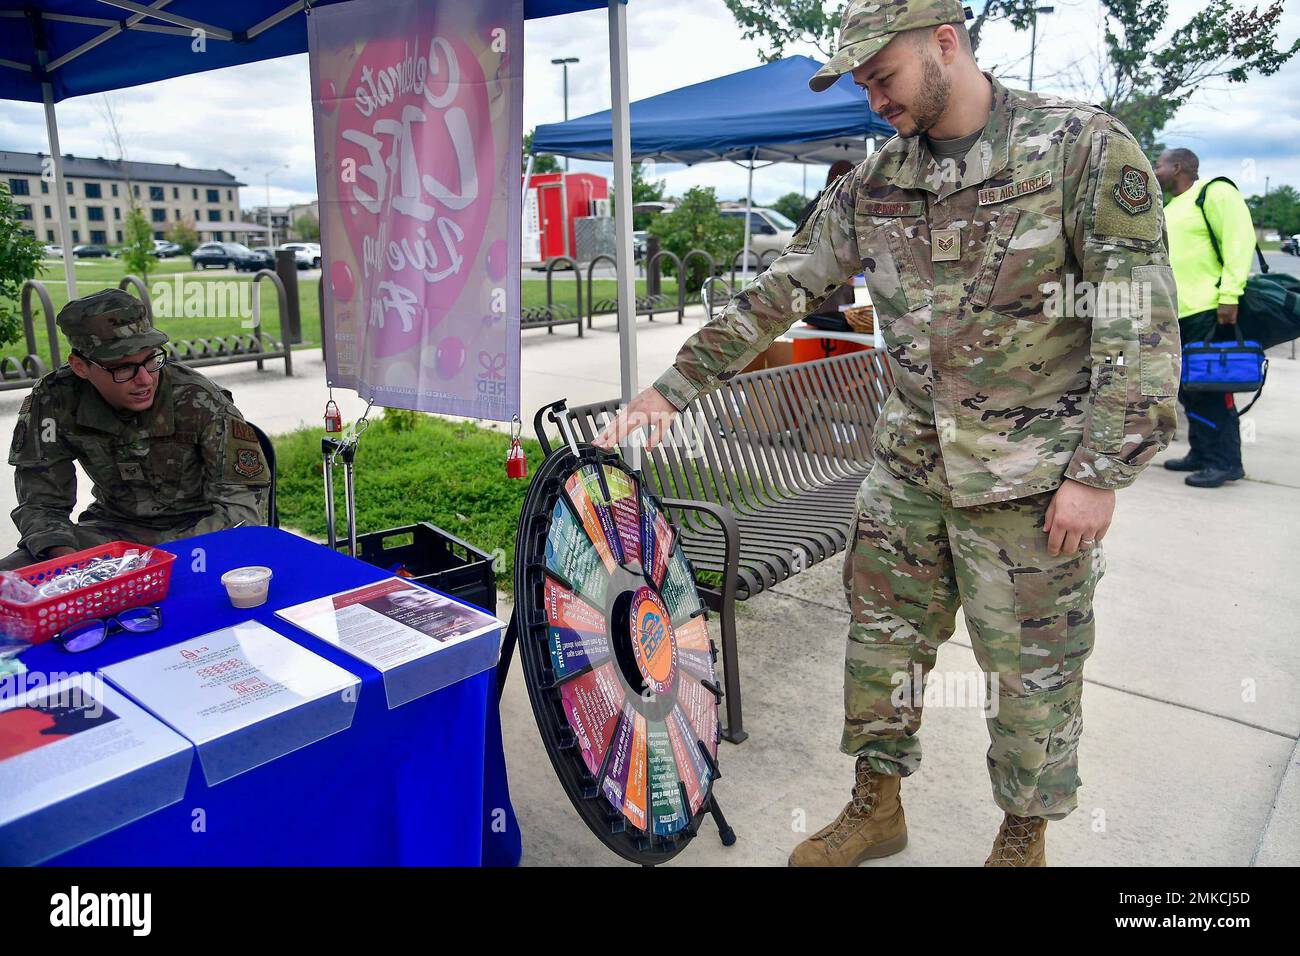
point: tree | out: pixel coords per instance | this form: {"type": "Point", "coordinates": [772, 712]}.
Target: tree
{"type": "Point", "coordinates": [1279, 210]}
{"type": "Point", "coordinates": [791, 205]}
{"type": "Point", "coordinates": [184, 235]}
{"type": "Point", "coordinates": [1146, 70]}
{"type": "Point", "coordinates": [697, 224]}
{"type": "Point", "coordinates": [783, 23]}
{"type": "Point", "coordinates": [644, 190]}
{"type": "Point", "coordinates": [20, 260]}
{"type": "Point", "coordinates": [542, 162]}
{"type": "Point", "coordinates": [1145, 81]}
{"type": "Point", "coordinates": [307, 227]}
{"type": "Point", "coordinates": [138, 248]}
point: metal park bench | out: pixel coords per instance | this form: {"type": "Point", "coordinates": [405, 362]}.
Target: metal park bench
{"type": "Point", "coordinates": [761, 478]}
{"type": "Point", "coordinates": [554, 313]}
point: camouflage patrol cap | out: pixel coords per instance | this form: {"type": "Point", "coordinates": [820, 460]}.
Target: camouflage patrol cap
{"type": "Point", "coordinates": [870, 24]}
{"type": "Point", "coordinates": [108, 325]}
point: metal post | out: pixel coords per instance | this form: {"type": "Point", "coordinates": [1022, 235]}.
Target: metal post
{"type": "Point", "coordinates": [270, 224]}
{"type": "Point", "coordinates": [1033, 45]}
{"type": "Point", "coordinates": [52, 134]}
{"type": "Point", "coordinates": [623, 189]}
{"type": "Point", "coordinates": [749, 205]}
{"type": "Point", "coordinates": [563, 63]}
{"type": "Point", "coordinates": [327, 447]}
{"type": "Point", "coordinates": [286, 269]}
{"type": "Point", "coordinates": [350, 494]}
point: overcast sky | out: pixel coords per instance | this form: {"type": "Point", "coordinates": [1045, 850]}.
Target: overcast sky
{"type": "Point", "coordinates": [251, 119]}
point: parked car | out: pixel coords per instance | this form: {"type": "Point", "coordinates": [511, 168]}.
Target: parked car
{"type": "Point", "coordinates": [223, 255]}
{"type": "Point", "coordinates": [1291, 244]}
{"type": "Point", "coordinates": [165, 249]}
{"type": "Point", "coordinates": [306, 253]}
{"type": "Point", "coordinates": [53, 252]}
{"type": "Point", "coordinates": [91, 251]}
{"type": "Point", "coordinates": [265, 257]}
{"type": "Point", "coordinates": [769, 232]}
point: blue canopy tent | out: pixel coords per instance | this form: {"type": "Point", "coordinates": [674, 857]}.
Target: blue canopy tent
{"type": "Point", "coordinates": [54, 49]}
{"type": "Point", "coordinates": [764, 114]}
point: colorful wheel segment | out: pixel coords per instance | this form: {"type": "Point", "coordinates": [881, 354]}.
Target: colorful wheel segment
{"type": "Point", "coordinates": [617, 655]}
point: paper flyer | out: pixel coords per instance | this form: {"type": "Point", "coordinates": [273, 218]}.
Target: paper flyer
{"type": "Point", "coordinates": [578, 632]}
{"type": "Point", "coordinates": [390, 623]}
{"type": "Point", "coordinates": [61, 740]}
{"type": "Point", "coordinates": [592, 703]}
{"type": "Point", "coordinates": [571, 556]}
{"type": "Point", "coordinates": [627, 518]}
{"type": "Point", "coordinates": [212, 685]}
{"type": "Point", "coordinates": [583, 489]}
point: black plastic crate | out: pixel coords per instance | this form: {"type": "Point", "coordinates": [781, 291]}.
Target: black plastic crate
{"type": "Point", "coordinates": [436, 558]}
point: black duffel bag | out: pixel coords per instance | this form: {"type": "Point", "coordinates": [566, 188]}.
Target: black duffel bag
{"type": "Point", "coordinates": [1269, 309]}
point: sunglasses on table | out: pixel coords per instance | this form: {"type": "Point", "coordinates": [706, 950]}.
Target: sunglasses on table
{"type": "Point", "coordinates": [124, 373]}
{"type": "Point", "coordinates": [85, 635]}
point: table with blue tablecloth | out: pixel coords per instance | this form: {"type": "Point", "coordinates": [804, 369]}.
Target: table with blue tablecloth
{"type": "Point", "coordinates": [420, 784]}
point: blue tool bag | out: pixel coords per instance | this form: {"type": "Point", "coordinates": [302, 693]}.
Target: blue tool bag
{"type": "Point", "coordinates": [1238, 366]}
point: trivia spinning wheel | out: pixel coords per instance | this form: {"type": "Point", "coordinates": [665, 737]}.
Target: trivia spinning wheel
{"type": "Point", "coordinates": [616, 653]}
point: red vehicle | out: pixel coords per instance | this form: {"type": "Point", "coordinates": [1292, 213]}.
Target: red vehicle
{"type": "Point", "coordinates": [552, 205]}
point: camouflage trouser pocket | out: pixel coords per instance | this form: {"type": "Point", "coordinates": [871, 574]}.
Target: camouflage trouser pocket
{"type": "Point", "coordinates": [1109, 401]}
{"type": "Point", "coordinates": [846, 571]}
{"type": "Point", "coordinates": [1054, 610]}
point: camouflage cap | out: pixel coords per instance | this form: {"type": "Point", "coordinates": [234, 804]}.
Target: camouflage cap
{"type": "Point", "coordinates": [870, 24]}
{"type": "Point", "coordinates": [108, 325]}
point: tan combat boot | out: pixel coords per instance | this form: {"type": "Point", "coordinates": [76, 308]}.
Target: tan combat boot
{"type": "Point", "coordinates": [1021, 841]}
{"type": "Point", "coordinates": [871, 826]}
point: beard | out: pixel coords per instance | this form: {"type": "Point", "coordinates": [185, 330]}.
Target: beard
{"type": "Point", "coordinates": [931, 101]}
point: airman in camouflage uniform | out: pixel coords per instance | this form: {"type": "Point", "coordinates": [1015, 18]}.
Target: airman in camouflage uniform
{"type": "Point", "coordinates": [184, 463]}
{"type": "Point", "coordinates": [1027, 307]}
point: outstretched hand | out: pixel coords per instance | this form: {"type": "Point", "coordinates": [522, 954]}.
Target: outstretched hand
{"type": "Point", "coordinates": [649, 410]}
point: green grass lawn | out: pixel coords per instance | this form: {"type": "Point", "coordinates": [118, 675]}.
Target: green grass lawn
{"type": "Point", "coordinates": [94, 275]}
{"type": "Point", "coordinates": [450, 473]}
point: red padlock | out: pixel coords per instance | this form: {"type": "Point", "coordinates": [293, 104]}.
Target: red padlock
{"type": "Point", "coordinates": [333, 418]}
{"type": "Point", "coordinates": [516, 461]}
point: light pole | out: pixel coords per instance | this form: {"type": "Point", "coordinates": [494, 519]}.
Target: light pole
{"type": "Point", "coordinates": [270, 226]}
{"type": "Point", "coordinates": [1033, 40]}
{"type": "Point", "coordinates": [563, 62]}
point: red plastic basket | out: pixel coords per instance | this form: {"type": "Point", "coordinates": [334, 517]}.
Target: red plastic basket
{"type": "Point", "coordinates": [40, 620]}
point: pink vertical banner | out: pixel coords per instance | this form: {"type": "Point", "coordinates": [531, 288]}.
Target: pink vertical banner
{"type": "Point", "coordinates": [418, 110]}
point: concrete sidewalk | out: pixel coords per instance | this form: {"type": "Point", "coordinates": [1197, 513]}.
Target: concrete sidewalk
{"type": "Point", "coordinates": [1193, 696]}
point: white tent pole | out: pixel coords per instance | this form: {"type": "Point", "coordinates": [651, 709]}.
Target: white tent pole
{"type": "Point", "coordinates": [60, 191]}
{"type": "Point", "coordinates": [626, 281]}
{"type": "Point", "coordinates": [749, 205]}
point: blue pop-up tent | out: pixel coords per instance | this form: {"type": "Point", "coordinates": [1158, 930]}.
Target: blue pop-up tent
{"type": "Point", "coordinates": [54, 49]}
{"type": "Point", "coordinates": [765, 114]}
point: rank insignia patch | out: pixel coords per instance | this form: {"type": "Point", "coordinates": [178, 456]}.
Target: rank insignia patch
{"type": "Point", "coordinates": [1132, 192]}
{"type": "Point", "coordinates": [945, 245]}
